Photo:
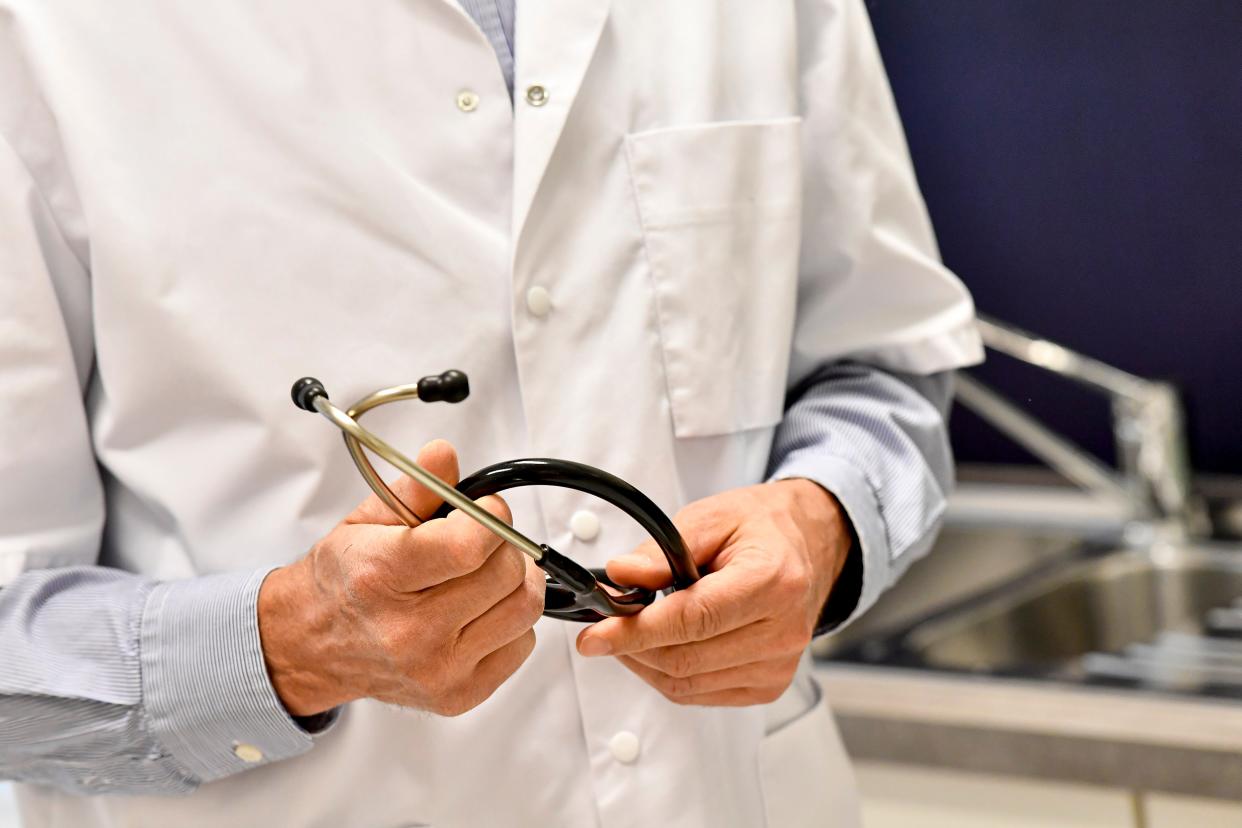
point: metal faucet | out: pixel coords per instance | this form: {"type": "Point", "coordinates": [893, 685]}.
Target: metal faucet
{"type": "Point", "coordinates": [1153, 480]}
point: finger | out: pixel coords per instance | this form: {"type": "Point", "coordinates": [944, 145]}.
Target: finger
{"type": "Point", "coordinates": [460, 544]}
{"type": "Point", "coordinates": [410, 560]}
{"type": "Point", "coordinates": [498, 666]}
{"type": "Point", "coordinates": [732, 649]}
{"type": "Point", "coordinates": [438, 457]}
{"type": "Point", "coordinates": [459, 601]}
{"type": "Point", "coordinates": [705, 526]}
{"type": "Point", "coordinates": [506, 620]}
{"type": "Point", "coordinates": [708, 525]}
{"type": "Point", "coordinates": [644, 567]}
{"type": "Point", "coordinates": [757, 674]}
{"type": "Point", "coordinates": [717, 603]}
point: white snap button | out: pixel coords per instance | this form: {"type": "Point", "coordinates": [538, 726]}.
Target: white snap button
{"type": "Point", "coordinates": [467, 101]}
{"type": "Point", "coordinates": [538, 301]}
{"type": "Point", "coordinates": [247, 753]}
{"type": "Point", "coordinates": [536, 95]}
{"type": "Point", "coordinates": [584, 525]}
{"type": "Point", "coordinates": [625, 747]}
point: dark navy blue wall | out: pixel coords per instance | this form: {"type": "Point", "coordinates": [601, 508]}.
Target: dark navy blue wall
{"type": "Point", "coordinates": [1082, 161]}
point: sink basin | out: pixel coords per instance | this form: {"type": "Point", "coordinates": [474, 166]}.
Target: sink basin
{"type": "Point", "coordinates": [1138, 616]}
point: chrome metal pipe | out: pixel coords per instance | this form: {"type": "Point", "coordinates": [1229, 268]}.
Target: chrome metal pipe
{"type": "Point", "coordinates": [1147, 423]}
{"type": "Point", "coordinates": [1059, 453]}
{"type": "Point", "coordinates": [1042, 353]}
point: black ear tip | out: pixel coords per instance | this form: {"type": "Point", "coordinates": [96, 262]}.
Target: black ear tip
{"type": "Point", "coordinates": [451, 386]}
{"type": "Point", "coordinates": [305, 391]}
{"type": "Point", "coordinates": [456, 386]}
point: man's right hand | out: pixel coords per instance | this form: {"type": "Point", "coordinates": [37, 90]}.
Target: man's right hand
{"type": "Point", "coordinates": [435, 617]}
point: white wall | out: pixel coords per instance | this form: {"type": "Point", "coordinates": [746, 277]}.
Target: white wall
{"type": "Point", "coordinates": [8, 808]}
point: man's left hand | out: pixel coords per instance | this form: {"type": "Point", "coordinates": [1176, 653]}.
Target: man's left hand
{"type": "Point", "coordinates": [770, 555]}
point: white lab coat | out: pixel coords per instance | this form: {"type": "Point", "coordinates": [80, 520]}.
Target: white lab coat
{"type": "Point", "coordinates": [716, 197]}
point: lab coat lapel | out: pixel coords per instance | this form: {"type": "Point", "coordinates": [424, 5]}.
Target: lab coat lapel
{"type": "Point", "coordinates": [555, 41]}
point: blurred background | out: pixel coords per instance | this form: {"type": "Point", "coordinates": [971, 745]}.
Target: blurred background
{"type": "Point", "coordinates": [1082, 162]}
{"type": "Point", "coordinates": [1071, 651]}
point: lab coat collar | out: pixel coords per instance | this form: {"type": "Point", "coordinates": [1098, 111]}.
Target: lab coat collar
{"type": "Point", "coordinates": [555, 42]}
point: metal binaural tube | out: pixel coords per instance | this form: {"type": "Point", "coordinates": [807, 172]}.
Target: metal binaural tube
{"type": "Point", "coordinates": [355, 432]}
{"type": "Point", "coordinates": [363, 464]}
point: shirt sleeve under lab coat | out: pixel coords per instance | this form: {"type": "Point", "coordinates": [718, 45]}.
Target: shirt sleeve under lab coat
{"type": "Point", "coordinates": [110, 681]}
{"type": "Point", "coordinates": [881, 324]}
{"type": "Point", "coordinates": [877, 440]}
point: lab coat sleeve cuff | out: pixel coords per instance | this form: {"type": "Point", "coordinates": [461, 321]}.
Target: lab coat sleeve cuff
{"type": "Point", "coordinates": [862, 508]}
{"type": "Point", "coordinates": [207, 694]}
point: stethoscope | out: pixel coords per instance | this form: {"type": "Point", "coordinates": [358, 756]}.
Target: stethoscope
{"type": "Point", "coordinates": [574, 592]}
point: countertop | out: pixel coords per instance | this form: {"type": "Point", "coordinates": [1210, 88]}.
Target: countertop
{"type": "Point", "coordinates": [1136, 740]}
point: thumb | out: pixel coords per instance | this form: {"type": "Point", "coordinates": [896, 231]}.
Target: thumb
{"type": "Point", "coordinates": [438, 457]}
{"type": "Point", "coordinates": [644, 567]}
{"type": "Point", "coordinates": [706, 527]}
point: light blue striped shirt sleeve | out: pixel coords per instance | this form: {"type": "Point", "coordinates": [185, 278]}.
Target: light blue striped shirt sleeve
{"type": "Point", "coordinates": [115, 683]}
{"type": "Point", "coordinates": [878, 441]}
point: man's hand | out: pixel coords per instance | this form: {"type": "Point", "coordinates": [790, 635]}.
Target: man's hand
{"type": "Point", "coordinates": [435, 617]}
{"type": "Point", "coordinates": [771, 554]}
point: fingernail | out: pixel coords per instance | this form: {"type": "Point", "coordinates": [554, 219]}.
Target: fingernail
{"type": "Point", "coordinates": [594, 646]}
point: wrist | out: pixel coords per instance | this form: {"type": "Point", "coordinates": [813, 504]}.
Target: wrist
{"type": "Point", "coordinates": [824, 528]}
{"type": "Point", "coordinates": [295, 637]}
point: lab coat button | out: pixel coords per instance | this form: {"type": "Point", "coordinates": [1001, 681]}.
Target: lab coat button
{"type": "Point", "coordinates": [536, 95]}
{"type": "Point", "coordinates": [584, 525]}
{"type": "Point", "coordinates": [467, 101]}
{"type": "Point", "coordinates": [538, 301]}
{"type": "Point", "coordinates": [624, 747]}
{"type": "Point", "coordinates": [247, 753]}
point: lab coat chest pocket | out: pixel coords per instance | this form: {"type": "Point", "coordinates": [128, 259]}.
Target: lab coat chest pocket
{"type": "Point", "coordinates": [720, 207]}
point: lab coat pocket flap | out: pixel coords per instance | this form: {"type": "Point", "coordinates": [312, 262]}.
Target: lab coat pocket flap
{"type": "Point", "coordinates": [720, 209]}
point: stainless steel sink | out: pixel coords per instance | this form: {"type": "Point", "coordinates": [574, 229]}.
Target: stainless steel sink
{"type": "Point", "coordinates": [1159, 617]}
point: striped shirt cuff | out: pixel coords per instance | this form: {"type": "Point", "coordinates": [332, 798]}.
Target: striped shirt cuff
{"type": "Point", "coordinates": [208, 697]}
{"type": "Point", "coordinates": [849, 486]}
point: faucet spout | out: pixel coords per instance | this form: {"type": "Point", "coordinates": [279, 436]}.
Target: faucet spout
{"type": "Point", "coordinates": [1153, 479]}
